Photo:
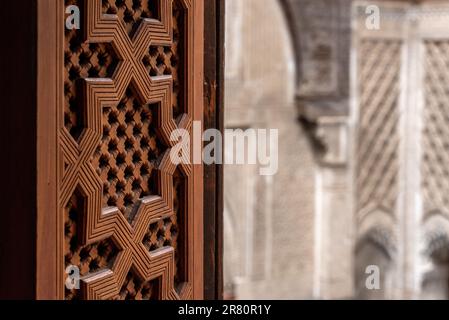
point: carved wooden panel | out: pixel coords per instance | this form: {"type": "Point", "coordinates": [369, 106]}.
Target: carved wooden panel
{"type": "Point", "coordinates": [127, 212]}
{"type": "Point", "coordinates": [379, 153]}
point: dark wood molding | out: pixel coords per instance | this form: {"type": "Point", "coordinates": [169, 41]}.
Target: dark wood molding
{"type": "Point", "coordinates": [213, 174]}
{"type": "Point", "coordinates": [49, 94]}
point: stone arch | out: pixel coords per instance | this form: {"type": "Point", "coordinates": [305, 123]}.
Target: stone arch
{"type": "Point", "coordinates": [321, 51]}
{"type": "Point", "coordinates": [375, 248]}
{"type": "Point", "coordinates": [435, 257]}
{"type": "Point", "coordinates": [293, 27]}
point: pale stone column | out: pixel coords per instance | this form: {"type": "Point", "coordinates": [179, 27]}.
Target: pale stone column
{"type": "Point", "coordinates": [323, 36]}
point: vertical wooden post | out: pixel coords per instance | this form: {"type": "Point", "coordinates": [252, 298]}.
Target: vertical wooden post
{"type": "Point", "coordinates": [213, 174]}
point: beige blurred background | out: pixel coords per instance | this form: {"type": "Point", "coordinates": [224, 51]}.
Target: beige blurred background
{"type": "Point", "coordinates": [363, 118]}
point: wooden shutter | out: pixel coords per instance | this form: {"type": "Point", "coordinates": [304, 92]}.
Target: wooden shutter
{"type": "Point", "coordinates": [110, 201]}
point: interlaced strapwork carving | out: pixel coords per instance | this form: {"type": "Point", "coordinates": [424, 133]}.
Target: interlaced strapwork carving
{"type": "Point", "coordinates": [160, 60]}
{"type": "Point", "coordinates": [128, 153]}
{"type": "Point", "coordinates": [82, 60]}
{"type": "Point", "coordinates": [378, 136]}
{"type": "Point", "coordinates": [131, 12]}
{"type": "Point", "coordinates": [161, 234]}
{"type": "Point", "coordinates": [120, 164]}
{"type": "Point", "coordinates": [135, 289]}
{"type": "Point", "coordinates": [435, 177]}
{"type": "Point", "coordinates": [169, 231]}
{"type": "Point", "coordinates": [89, 258]}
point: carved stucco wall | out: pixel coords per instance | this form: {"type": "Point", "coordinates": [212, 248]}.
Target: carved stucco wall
{"type": "Point", "coordinates": [401, 98]}
{"type": "Point", "coordinates": [363, 178]}
{"type": "Point", "coordinates": [287, 236]}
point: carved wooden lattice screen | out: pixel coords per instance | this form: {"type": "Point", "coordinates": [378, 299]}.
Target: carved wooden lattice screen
{"type": "Point", "coordinates": [127, 218]}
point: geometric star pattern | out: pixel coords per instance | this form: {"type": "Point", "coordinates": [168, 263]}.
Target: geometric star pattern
{"type": "Point", "coordinates": [127, 208]}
